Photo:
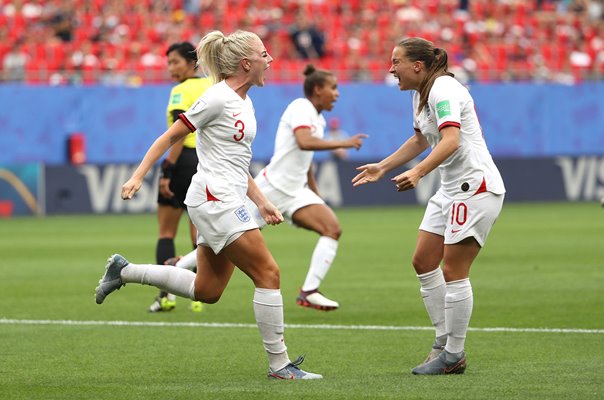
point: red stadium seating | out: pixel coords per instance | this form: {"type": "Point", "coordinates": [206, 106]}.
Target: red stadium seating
{"type": "Point", "coordinates": [503, 40]}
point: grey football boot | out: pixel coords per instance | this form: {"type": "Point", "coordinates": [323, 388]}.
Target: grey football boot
{"type": "Point", "coordinates": [445, 363]}
{"type": "Point", "coordinates": [111, 279]}
{"type": "Point", "coordinates": [291, 371]}
{"type": "Point", "coordinates": [434, 353]}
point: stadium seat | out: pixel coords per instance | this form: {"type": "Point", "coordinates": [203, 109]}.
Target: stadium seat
{"type": "Point", "coordinates": [112, 30]}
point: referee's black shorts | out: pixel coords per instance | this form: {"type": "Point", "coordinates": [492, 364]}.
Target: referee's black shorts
{"type": "Point", "coordinates": [184, 169]}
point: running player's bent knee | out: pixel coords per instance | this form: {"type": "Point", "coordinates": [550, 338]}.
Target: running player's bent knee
{"type": "Point", "coordinates": [268, 278]}
{"type": "Point", "coordinates": [208, 296]}
{"type": "Point", "coordinates": [333, 231]}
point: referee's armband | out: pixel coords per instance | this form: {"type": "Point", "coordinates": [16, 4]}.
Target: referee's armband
{"type": "Point", "coordinates": [167, 169]}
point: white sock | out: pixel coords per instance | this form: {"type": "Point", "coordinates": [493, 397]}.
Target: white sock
{"type": "Point", "coordinates": [268, 309]}
{"type": "Point", "coordinates": [433, 293]}
{"type": "Point", "coordinates": [180, 282]}
{"type": "Point", "coordinates": [458, 310]}
{"type": "Point", "coordinates": [188, 261]}
{"type": "Point", "coordinates": [322, 257]}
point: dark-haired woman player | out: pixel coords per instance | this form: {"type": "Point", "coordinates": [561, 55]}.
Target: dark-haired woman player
{"type": "Point", "coordinates": [460, 215]}
{"type": "Point", "coordinates": [288, 180]}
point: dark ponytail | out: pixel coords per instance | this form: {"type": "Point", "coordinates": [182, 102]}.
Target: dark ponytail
{"type": "Point", "coordinates": [314, 77]}
{"type": "Point", "coordinates": [435, 60]}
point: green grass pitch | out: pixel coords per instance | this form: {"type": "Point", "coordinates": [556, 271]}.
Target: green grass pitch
{"type": "Point", "coordinates": [541, 268]}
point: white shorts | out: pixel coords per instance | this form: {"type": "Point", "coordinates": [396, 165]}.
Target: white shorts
{"type": "Point", "coordinates": [460, 219]}
{"type": "Point", "coordinates": [220, 224]}
{"type": "Point", "coordinates": [288, 204]}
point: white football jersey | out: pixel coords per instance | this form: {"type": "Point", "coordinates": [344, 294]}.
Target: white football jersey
{"type": "Point", "coordinates": [288, 168]}
{"type": "Point", "coordinates": [471, 168]}
{"type": "Point", "coordinates": [226, 127]}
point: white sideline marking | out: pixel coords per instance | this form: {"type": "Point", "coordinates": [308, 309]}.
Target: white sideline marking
{"type": "Point", "coordinates": [7, 321]}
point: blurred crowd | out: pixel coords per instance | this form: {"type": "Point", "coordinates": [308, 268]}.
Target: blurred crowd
{"type": "Point", "coordinates": [123, 41]}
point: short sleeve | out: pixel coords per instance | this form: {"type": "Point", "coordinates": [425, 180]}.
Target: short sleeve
{"type": "Point", "coordinates": [446, 105]}
{"type": "Point", "coordinates": [205, 110]}
{"type": "Point", "coordinates": [300, 117]}
{"type": "Point", "coordinates": [178, 99]}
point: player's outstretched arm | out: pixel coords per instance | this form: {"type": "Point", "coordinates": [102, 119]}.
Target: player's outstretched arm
{"type": "Point", "coordinates": [443, 150]}
{"type": "Point", "coordinates": [355, 141]}
{"type": "Point", "coordinates": [370, 173]}
{"type": "Point", "coordinates": [306, 141]}
{"type": "Point", "coordinates": [177, 131]}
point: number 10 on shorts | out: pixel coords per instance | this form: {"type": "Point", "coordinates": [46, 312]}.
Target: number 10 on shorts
{"type": "Point", "coordinates": [459, 213]}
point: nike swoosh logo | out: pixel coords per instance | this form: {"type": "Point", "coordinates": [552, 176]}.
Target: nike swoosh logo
{"type": "Point", "coordinates": [455, 230]}
{"type": "Point", "coordinates": [453, 368]}
{"type": "Point", "coordinates": [236, 114]}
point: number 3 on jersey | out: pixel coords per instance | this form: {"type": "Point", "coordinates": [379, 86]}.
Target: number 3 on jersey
{"type": "Point", "coordinates": [240, 126]}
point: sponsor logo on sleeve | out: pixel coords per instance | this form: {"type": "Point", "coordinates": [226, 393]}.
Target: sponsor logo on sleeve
{"type": "Point", "coordinates": [197, 106]}
{"type": "Point", "coordinates": [443, 109]}
{"type": "Point", "coordinates": [176, 98]}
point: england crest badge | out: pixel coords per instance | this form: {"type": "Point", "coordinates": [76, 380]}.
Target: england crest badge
{"type": "Point", "coordinates": [242, 214]}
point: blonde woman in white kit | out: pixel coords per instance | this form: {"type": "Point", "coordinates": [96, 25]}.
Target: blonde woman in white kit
{"type": "Point", "coordinates": [288, 180]}
{"type": "Point", "coordinates": [228, 235]}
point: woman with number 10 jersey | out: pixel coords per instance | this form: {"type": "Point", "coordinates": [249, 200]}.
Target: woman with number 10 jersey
{"type": "Point", "coordinates": [460, 215]}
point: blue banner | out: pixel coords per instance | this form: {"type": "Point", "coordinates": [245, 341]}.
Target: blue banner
{"type": "Point", "coordinates": [95, 189]}
{"type": "Point", "coordinates": [120, 123]}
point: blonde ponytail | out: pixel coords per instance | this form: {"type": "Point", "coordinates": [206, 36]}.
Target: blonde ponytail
{"type": "Point", "coordinates": [220, 55]}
